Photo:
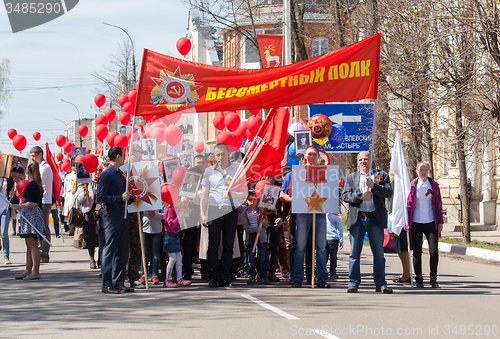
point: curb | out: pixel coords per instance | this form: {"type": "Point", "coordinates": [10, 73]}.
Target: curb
{"type": "Point", "coordinates": [466, 250]}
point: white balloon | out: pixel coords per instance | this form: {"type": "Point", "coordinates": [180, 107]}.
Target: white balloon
{"type": "Point", "coordinates": [297, 126]}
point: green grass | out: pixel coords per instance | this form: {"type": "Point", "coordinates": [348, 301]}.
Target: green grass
{"type": "Point", "coordinates": [474, 243]}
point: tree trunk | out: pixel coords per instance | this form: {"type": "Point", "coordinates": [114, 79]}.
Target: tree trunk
{"type": "Point", "coordinates": [462, 169]}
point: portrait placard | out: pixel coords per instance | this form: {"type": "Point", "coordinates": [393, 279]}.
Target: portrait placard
{"type": "Point", "coordinates": [269, 197]}
{"type": "Point", "coordinates": [169, 166]}
{"type": "Point", "coordinates": [190, 184]}
{"type": "Point", "coordinates": [18, 167]}
{"type": "Point", "coordinates": [303, 139]}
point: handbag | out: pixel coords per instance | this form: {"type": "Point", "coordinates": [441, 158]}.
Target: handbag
{"type": "Point", "coordinates": [75, 217]}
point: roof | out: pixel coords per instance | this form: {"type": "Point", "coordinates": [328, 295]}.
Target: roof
{"type": "Point", "coordinates": [278, 17]}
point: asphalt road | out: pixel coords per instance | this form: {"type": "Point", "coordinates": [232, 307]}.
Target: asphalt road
{"type": "Point", "coordinates": [67, 303]}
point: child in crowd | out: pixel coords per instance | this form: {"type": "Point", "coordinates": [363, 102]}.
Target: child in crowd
{"type": "Point", "coordinates": [249, 218]}
{"type": "Point", "coordinates": [172, 246]}
{"type": "Point", "coordinates": [334, 237]}
{"type": "Point", "coordinates": [152, 227]}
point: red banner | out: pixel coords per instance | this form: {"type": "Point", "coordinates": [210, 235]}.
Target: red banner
{"type": "Point", "coordinates": [168, 85]}
{"type": "Point", "coordinates": [271, 50]}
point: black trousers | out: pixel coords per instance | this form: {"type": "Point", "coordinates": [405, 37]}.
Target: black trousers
{"type": "Point", "coordinates": [190, 250]}
{"type": "Point", "coordinates": [416, 232]}
{"type": "Point", "coordinates": [274, 247]}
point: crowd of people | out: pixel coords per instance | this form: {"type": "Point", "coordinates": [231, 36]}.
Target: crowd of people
{"type": "Point", "coordinates": [221, 231]}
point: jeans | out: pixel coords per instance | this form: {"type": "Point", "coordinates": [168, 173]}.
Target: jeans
{"type": "Point", "coordinates": [333, 248]}
{"type": "Point", "coordinates": [101, 244]}
{"type": "Point", "coordinates": [114, 255]}
{"type": "Point", "coordinates": [261, 250]}
{"type": "Point", "coordinates": [151, 251]}
{"type": "Point", "coordinates": [42, 245]}
{"type": "Point", "coordinates": [5, 220]}
{"type": "Point", "coordinates": [356, 235]}
{"type": "Point", "coordinates": [225, 224]}
{"type": "Point", "coordinates": [304, 223]}
{"type": "Point", "coordinates": [55, 217]}
{"type": "Point", "coordinates": [416, 232]}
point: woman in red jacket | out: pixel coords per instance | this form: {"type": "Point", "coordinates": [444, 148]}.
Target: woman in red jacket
{"type": "Point", "coordinates": [425, 215]}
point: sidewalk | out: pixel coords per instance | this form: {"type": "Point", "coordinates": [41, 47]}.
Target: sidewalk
{"type": "Point", "coordinates": [485, 236]}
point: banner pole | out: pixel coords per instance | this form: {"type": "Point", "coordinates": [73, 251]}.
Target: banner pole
{"type": "Point", "coordinates": [129, 158]}
{"type": "Point", "coordinates": [372, 145]}
{"type": "Point", "coordinates": [144, 269]}
{"type": "Point", "coordinates": [313, 250]}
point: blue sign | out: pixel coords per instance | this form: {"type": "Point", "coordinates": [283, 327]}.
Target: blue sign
{"type": "Point", "coordinates": [357, 120]}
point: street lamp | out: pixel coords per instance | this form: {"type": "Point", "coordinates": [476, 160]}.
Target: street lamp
{"type": "Point", "coordinates": [133, 49]}
{"type": "Point", "coordinates": [79, 122]}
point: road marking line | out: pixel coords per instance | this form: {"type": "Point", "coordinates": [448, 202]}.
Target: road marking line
{"type": "Point", "coordinates": [325, 334]}
{"type": "Point", "coordinates": [269, 307]}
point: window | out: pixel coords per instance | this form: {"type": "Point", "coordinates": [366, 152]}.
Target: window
{"type": "Point", "coordinates": [319, 46]}
{"type": "Point", "coordinates": [453, 155]}
{"type": "Point", "coordinates": [251, 52]}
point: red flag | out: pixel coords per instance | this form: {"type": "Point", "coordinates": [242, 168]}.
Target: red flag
{"type": "Point", "coordinates": [168, 85]}
{"type": "Point", "coordinates": [56, 179]}
{"type": "Point", "coordinates": [271, 49]}
{"type": "Point", "coordinates": [269, 149]}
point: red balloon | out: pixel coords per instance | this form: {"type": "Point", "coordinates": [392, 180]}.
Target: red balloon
{"type": "Point", "coordinates": [101, 131]}
{"type": "Point", "coordinates": [122, 100]}
{"type": "Point", "coordinates": [21, 185]}
{"type": "Point", "coordinates": [169, 193]}
{"type": "Point", "coordinates": [66, 166]}
{"type": "Point", "coordinates": [90, 163]}
{"type": "Point", "coordinates": [174, 118]}
{"type": "Point", "coordinates": [254, 111]}
{"type": "Point", "coordinates": [253, 124]}
{"type": "Point", "coordinates": [124, 118]}
{"type": "Point", "coordinates": [146, 133]}
{"type": "Point", "coordinates": [132, 96]}
{"type": "Point", "coordinates": [83, 130]}
{"type": "Point", "coordinates": [110, 114]}
{"type": "Point", "coordinates": [199, 146]}
{"type": "Point", "coordinates": [183, 45]}
{"type": "Point", "coordinates": [37, 136]}
{"type": "Point", "coordinates": [166, 120]}
{"type": "Point", "coordinates": [99, 100]}
{"type": "Point", "coordinates": [341, 183]}
{"type": "Point", "coordinates": [225, 138]}
{"type": "Point", "coordinates": [156, 118]}
{"type": "Point", "coordinates": [87, 150]}
{"type": "Point", "coordinates": [11, 133]}
{"type": "Point", "coordinates": [158, 124]}
{"type": "Point", "coordinates": [232, 121]}
{"type": "Point", "coordinates": [60, 140]}
{"type": "Point", "coordinates": [173, 135]}
{"type": "Point", "coordinates": [121, 140]}
{"type": "Point", "coordinates": [68, 160]}
{"type": "Point", "coordinates": [59, 156]}
{"type": "Point", "coordinates": [129, 133]}
{"type": "Point", "coordinates": [128, 107]}
{"type": "Point", "coordinates": [101, 120]}
{"type": "Point", "coordinates": [219, 122]}
{"type": "Point", "coordinates": [79, 158]}
{"type": "Point", "coordinates": [19, 142]}
{"type": "Point", "coordinates": [141, 127]}
{"type": "Point", "coordinates": [148, 117]}
{"type": "Point", "coordinates": [110, 138]}
{"type": "Point", "coordinates": [260, 186]}
{"type": "Point", "coordinates": [67, 147]}
{"type": "Point", "coordinates": [178, 175]}
{"type": "Point", "coordinates": [242, 129]}
{"type": "Point", "coordinates": [250, 135]}
{"type": "Point", "coordinates": [237, 140]}
{"type": "Point", "coordinates": [158, 133]}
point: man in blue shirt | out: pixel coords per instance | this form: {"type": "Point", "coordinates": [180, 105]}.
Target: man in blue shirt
{"type": "Point", "coordinates": [112, 195]}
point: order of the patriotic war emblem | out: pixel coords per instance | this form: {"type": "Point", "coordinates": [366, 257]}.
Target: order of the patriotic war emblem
{"type": "Point", "coordinates": [174, 90]}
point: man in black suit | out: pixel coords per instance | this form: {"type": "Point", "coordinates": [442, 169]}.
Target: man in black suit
{"type": "Point", "coordinates": [365, 191]}
{"type": "Point", "coordinates": [185, 127]}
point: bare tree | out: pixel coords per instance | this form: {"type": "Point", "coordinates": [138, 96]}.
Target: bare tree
{"type": "Point", "coordinates": [5, 93]}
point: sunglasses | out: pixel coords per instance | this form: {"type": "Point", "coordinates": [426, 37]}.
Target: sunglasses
{"type": "Point", "coordinates": [99, 170]}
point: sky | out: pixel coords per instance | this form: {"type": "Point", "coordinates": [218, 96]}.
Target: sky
{"type": "Point", "coordinates": [62, 54]}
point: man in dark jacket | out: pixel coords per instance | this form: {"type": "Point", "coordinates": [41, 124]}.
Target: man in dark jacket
{"type": "Point", "coordinates": [366, 190]}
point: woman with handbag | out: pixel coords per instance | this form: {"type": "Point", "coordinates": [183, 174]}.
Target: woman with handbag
{"type": "Point", "coordinates": [86, 197]}
{"type": "Point", "coordinates": [30, 208]}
